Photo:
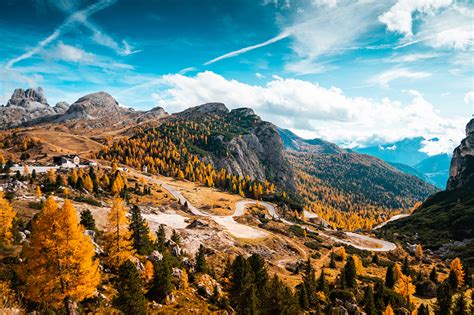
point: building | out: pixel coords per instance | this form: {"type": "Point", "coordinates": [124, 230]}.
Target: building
{"type": "Point", "coordinates": [66, 160]}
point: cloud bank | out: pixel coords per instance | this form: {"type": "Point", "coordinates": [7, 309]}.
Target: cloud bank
{"type": "Point", "coordinates": [315, 111]}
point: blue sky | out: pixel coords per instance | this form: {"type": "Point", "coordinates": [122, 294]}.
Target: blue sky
{"type": "Point", "coordinates": [353, 72]}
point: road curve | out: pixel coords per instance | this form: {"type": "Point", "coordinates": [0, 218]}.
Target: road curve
{"type": "Point", "coordinates": [245, 231]}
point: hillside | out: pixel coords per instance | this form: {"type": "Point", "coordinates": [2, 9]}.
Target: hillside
{"type": "Point", "coordinates": [448, 215]}
{"type": "Point", "coordinates": [352, 190]}
{"type": "Point", "coordinates": [211, 145]}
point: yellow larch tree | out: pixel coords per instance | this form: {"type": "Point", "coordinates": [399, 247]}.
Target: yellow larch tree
{"type": "Point", "coordinates": [88, 185]}
{"type": "Point", "coordinates": [118, 243]}
{"type": "Point", "coordinates": [59, 266]}
{"type": "Point", "coordinates": [389, 310]}
{"type": "Point", "coordinates": [39, 194]}
{"type": "Point", "coordinates": [6, 220]}
{"type": "Point", "coordinates": [404, 287]}
{"type": "Point", "coordinates": [2, 159]}
{"type": "Point", "coordinates": [456, 266]}
{"type": "Point", "coordinates": [148, 271]}
{"type": "Point", "coordinates": [419, 252]}
{"type": "Point", "coordinates": [26, 170]}
{"type": "Point", "coordinates": [358, 264]}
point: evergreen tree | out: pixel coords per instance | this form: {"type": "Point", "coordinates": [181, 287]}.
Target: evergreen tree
{"type": "Point", "coordinates": [443, 299]}
{"type": "Point", "coordinates": [369, 303]}
{"type": "Point", "coordinates": [309, 283]}
{"type": "Point", "coordinates": [87, 220]}
{"type": "Point", "coordinates": [423, 310]}
{"type": "Point", "coordinates": [201, 264]}
{"type": "Point", "coordinates": [259, 270]}
{"type": "Point", "coordinates": [434, 275]}
{"type": "Point", "coordinates": [161, 239]}
{"type": "Point", "coordinates": [302, 296]}
{"type": "Point", "coordinates": [332, 262]}
{"type": "Point", "coordinates": [140, 232]}
{"type": "Point", "coordinates": [406, 267]}
{"type": "Point", "coordinates": [468, 277]}
{"type": "Point", "coordinates": [322, 284]}
{"type": "Point", "coordinates": [59, 267]}
{"type": "Point", "coordinates": [350, 273]}
{"type": "Point", "coordinates": [176, 238]}
{"type": "Point", "coordinates": [279, 299]}
{"type": "Point", "coordinates": [390, 279]}
{"type": "Point", "coordinates": [461, 305]}
{"type": "Point", "coordinates": [117, 237]}
{"type": "Point", "coordinates": [130, 298]}
{"type": "Point", "coordinates": [241, 285]}
{"type": "Point", "coordinates": [453, 280]}
{"type": "Point", "coordinates": [379, 295]}
{"type": "Point", "coordinates": [162, 283]}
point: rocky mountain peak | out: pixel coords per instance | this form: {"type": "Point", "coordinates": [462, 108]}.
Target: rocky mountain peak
{"type": "Point", "coordinates": [244, 112]}
{"type": "Point", "coordinates": [461, 172]}
{"type": "Point", "coordinates": [27, 98]}
{"type": "Point", "coordinates": [207, 109]}
{"type": "Point", "coordinates": [93, 106]}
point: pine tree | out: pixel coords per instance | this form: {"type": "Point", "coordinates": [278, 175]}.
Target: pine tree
{"type": "Point", "coordinates": [176, 238]}
{"type": "Point", "coordinates": [201, 264]}
{"type": "Point", "coordinates": [390, 280]}
{"type": "Point", "coordinates": [350, 273]}
{"type": "Point", "coordinates": [87, 220]}
{"type": "Point", "coordinates": [279, 298]}
{"type": "Point", "coordinates": [241, 280]}
{"type": "Point", "coordinates": [140, 232]}
{"type": "Point", "coordinates": [461, 305]}
{"type": "Point", "coordinates": [423, 310]}
{"type": "Point", "coordinates": [443, 299]}
{"type": "Point", "coordinates": [117, 237]}
{"type": "Point", "coordinates": [59, 266]}
{"type": "Point", "coordinates": [6, 221]}
{"type": "Point", "coordinates": [130, 298]}
{"type": "Point", "coordinates": [453, 280]}
{"type": "Point", "coordinates": [332, 262]}
{"type": "Point", "coordinates": [162, 283]}
{"type": "Point", "coordinates": [322, 285]}
{"type": "Point", "coordinates": [406, 267]}
{"type": "Point", "coordinates": [456, 266]}
{"type": "Point", "coordinates": [369, 303]}
{"type": "Point", "coordinates": [434, 275]}
{"type": "Point", "coordinates": [161, 239]}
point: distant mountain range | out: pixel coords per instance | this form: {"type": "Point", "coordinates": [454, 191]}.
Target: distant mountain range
{"type": "Point", "coordinates": [407, 157]}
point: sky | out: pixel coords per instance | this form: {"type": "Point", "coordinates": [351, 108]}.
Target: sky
{"type": "Point", "coordinates": [354, 72]}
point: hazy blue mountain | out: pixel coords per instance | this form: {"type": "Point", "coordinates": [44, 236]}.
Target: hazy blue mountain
{"type": "Point", "coordinates": [406, 151]}
{"type": "Point", "coordinates": [436, 169]}
{"type": "Point", "coordinates": [293, 142]}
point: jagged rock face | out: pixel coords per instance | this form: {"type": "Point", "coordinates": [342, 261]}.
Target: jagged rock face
{"type": "Point", "coordinates": [152, 114]}
{"type": "Point", "coordinates": [257, 153]}
{"type": "Point", "coordinates": [61, 107]}
{"type": "Point", "coordinates": [292, 142]}
{"type": "Point", "coordinates": [23, 107]}
{"type": "Point", "coordinates": [461, 172]}
{"type": "Point", "coordinates": [93, 106]}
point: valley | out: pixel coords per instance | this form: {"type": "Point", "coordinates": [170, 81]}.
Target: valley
{"type": "Point", "coordinates": [212, 199]}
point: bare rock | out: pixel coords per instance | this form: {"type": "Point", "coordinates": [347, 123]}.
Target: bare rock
{"type": "Point", "coordinates": [461, 172]}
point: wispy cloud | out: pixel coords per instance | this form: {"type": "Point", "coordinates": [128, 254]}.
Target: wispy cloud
{"type": "Point", "coordinates": [388, 76]}
{"type": "Point", "coordinates": [235, 53]}
{"type": "Point", "coordinates": [66, 26]}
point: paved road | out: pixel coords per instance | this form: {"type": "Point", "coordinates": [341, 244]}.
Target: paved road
{"type": "Point", "coordinates": [244, 231]}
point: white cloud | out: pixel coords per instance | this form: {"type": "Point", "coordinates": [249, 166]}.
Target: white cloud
{"type": "Point", "coordinates": [259, 75]}
{"type": "Point", "coordinates": [71, 53]}
{"type": "Point", "coordinates": [312, 110]}
{"type": "Point", "coordinates": [398, 58]}
{"type": "Point", "coordinates": [65, 27]}
{"type": "Point", "coordinates": [388, 76]}
{"type": "Point", "coordinates": [399, 17]}
{"type": "Point", "coordinates": [469, 97]}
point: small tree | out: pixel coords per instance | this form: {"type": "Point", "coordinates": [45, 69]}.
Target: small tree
{"type": "Point", "coordinates": [350, 273]}
{"type": "Point", "coordinates": [390, 279]}
{"type": "Point", "coordinates": [176, 238]}
{"type": "Point", "coordinates": [161, 239]}
{"type": "Point", "coordinates": [456, 266]}
{"type": "Point", "coordinates": [443, 299]}
{"type": "Point", "coordinates": [405, 288]}
{"type": "Point", "coordinates": [6, 221]}
{"type": "Point", "coordinates": [140, 232]}
{"type": "Point", "coordinates": [87, 220]}
{"type": "Point", "coordinates": [201, 264]}
{"type": "Point", "coordinates": [130, 298]}
{"type": "Point", "coordinates": [162, 284]}
{"type": "Point", "coordinates": [434, 275]}
{"type": "Point", "coordinates": [369, 303]}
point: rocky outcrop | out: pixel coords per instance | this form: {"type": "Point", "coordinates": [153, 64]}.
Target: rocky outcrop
{"type": "Point", "coordinates": [292, 142]}
{"type": "Point", "coordinates": [93, 106]}
{"type": "Point", "coordinates": [461, 172]}
{"type": "Point", "coordinates": [256, 150]}
{"type": "Point", "coordinates": [25, 106]}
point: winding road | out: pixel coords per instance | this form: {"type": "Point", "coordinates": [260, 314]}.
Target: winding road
{"type": "Point", "coordinates": [239, 230]}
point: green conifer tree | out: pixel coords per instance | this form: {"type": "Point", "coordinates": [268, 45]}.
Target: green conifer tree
{"type": "Point", "coordinates": [130, 298]}
{"type": "Point", "coordinates": [140, 232]}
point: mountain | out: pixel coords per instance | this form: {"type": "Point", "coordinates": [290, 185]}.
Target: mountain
{"type": "Point", "coordinates": [238, 141]}
{"type": "Point", "coordinates": [435, 169]}
{"type": "Point", "coordinates": [406, 156]}
{"type": "Point", "coordinates": [293, 142]}
{"type": "Point", "coordinates": [361, 189]}
{"type": "Point", "coordinates": [97, 110]}
{"type": "Point", "coordinates": [27, 105]}
{"type": "Point", "coordinates": [448, 215]}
